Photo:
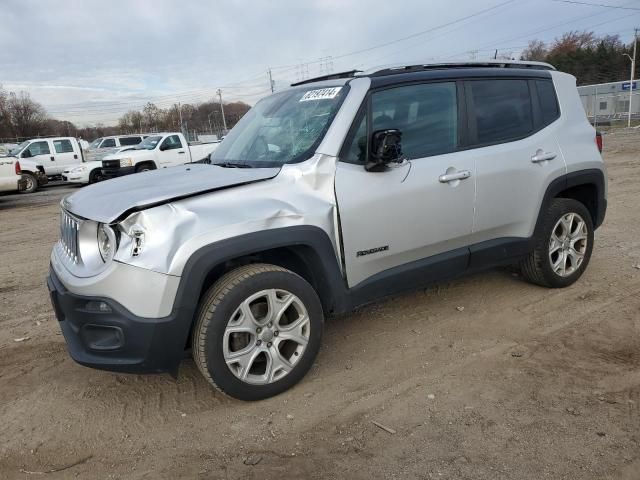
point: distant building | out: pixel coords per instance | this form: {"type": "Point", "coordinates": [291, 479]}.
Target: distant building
{"type": "Point", "coordinates": [610, 101]}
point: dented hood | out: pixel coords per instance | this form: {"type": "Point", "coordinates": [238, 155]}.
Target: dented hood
{"type": "Point", "coordinates": [110, 200]}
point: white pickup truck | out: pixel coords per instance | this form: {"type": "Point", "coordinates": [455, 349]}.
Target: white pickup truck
{"type": "Point", "coordinates": [45, 158]}
{"type": "Point", "coordinates": [9, 174]}
{"type": "Point", "coordinates": [159, 150]}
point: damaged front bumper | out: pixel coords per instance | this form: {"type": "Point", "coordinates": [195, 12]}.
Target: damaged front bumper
{"type": "Point", "coordinates": [101, 333]}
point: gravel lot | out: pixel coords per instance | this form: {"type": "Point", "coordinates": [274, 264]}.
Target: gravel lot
{"type": "Point", "coordinates": [523, 382]}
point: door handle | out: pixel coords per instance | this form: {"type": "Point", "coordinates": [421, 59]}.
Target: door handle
{"type": "Point", "coordinates": [542, 156]}
{"type": "Point", "coordinates": [451, 177]}
{"type": "Point", "coordinates": [180, 152]}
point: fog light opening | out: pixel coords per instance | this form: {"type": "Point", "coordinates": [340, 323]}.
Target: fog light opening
{"type": "Point", "coordinates": [98, 306]}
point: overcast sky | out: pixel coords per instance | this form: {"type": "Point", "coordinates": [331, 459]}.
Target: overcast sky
{"type": "Point", "coordinates": [90, 61]}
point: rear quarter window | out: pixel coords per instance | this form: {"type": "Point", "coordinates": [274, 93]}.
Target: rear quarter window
{"type": "Point", "coordinates": [549, 109]}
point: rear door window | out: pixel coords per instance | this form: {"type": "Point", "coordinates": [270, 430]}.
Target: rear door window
{"type": "Point", "coordinates": [500, 110]}
{"type": "Point", "coordinates": [62, 146]}
{"type": "Point", "coordinates": [172, 142]}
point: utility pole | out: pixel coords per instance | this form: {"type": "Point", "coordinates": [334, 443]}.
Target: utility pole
{"type": "Point", "coordinates": [596, 106]}
{"type": "Point", "coordinates": [272, 84]}
{"type": "Point", "coordinates": [224, 121]}
{"type": "Point", "coordinates": [633, 70]}
{"type": "Point", "coordinates": [180, 115]}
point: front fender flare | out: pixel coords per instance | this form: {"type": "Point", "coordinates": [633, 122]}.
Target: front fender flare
{"type": "Point", "coordinates": [323, 261]}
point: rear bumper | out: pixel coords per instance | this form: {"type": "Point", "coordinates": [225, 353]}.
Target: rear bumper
{"type": "Point", "coordinates": [117, 172]}
{"type": "Point", "coordinates": [101, 333]}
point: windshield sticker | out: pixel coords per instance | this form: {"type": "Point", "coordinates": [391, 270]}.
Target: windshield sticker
{"type": "Point", "coordinates": [321, 94]}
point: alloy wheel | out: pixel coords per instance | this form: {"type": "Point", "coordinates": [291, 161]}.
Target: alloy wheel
{"type": "Point", "coordinates": [568, 244]}
{"type": "Point", "coordinates": [266, 336]}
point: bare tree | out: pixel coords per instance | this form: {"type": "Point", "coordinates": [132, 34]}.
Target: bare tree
{"type": "Point", "coordinates": [536, 50]}
{"type": "Point", "coordinates": [28, 118]}
{"type": "Point", "coordinates": [5, 120]}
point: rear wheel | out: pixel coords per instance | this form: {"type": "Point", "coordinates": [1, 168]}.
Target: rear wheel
{"type": "Point", "coordinates": [30, 183]}
{"type": "Point", "coordinates": [258, 331]}
{"type": "Point", "coordinates": [563, 246]}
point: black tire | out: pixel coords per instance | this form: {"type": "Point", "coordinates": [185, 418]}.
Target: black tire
{"type": "Point", "coordinates": [215, 311]}
{"type": "Point", "coordinates": [145, 167]}
{"type": "Point", "coordinates": [537, 267]}
{"type": "Point", "coordinates": [30, 182]}
{"type": "Point", "coordinates": [95, 176]}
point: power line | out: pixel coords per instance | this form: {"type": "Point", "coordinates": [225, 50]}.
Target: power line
{"type": "Point", "coordinates": [423, 32]}
{"type": "Point", "coordinates": [500, 42]}
{"type": "Point", "coordinates": [603, 5]}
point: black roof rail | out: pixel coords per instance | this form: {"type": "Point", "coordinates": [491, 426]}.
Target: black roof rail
{"type": "Point", "coordinates": [331, 76]}
{"type": "Point", "coordinates": [473, 64]}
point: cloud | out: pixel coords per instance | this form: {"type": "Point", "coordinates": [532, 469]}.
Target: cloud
{"type": "Point", "coordinates": [90, 60]}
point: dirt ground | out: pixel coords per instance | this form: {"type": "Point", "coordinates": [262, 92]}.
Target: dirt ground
{"type": "Point", "coordinates": [524, 382]}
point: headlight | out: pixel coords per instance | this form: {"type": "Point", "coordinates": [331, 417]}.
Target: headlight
{"type": "Point", "coordinates": [107, 242]}
{"type": "Point", "coordinates": [80, 169]}
{"type": "Point", "coordinates": [126, 162]}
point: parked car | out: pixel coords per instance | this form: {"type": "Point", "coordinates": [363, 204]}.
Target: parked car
{"type": "Point", "coordinates": [48, 157]}
{"type": "Point", "coordinates": [87, 172]}
{"type": "Point", "coordinates": [10, 174]}
{"type": "Point", "coordinates": [337, 192]}
{"type": "Point", "coordinates": [106, 145]}
{"type": "Point", "coordinates": [5, 148]}
{"type": "Point", "coordinates": [160, 150]}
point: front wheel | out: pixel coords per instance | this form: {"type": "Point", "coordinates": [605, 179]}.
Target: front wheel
{"type": "Point", "coordinates": [258, 331]}
{"type": "Point", "coordinates": [563, 245]}
{"type": "Point", "coordinates": [95, 176]}
{"type": "Point", "coordinates": [145, 167]}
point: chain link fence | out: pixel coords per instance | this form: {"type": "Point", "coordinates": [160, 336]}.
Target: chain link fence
{"type": "Point", "coordinates": [608, 104]}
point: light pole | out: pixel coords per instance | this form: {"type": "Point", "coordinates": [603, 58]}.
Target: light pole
{"type": "Point", "coordinates": [180, 116]}
{"type": "Point", "coordinates": [224, 121]}
{"type": "Point", "coordinates": [633, 69]}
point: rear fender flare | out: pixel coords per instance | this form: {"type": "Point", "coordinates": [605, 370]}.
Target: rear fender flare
{"type": "Point", "coordinates": [592, 176]}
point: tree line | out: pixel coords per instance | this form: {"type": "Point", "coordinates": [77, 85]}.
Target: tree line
{"type": "Point", "coordinates": [591, 59]}
{"type": "Point", "coordinates": [21, 117]}
{"type": "Point", "coordinates": [203, 117]}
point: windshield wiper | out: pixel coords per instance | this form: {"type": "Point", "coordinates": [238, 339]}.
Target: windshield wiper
{"type": "Point", "coordinates": [231, 165]}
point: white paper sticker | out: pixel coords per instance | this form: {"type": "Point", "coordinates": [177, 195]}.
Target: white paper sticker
{"type": "Point", "coordinates": [321, 94]}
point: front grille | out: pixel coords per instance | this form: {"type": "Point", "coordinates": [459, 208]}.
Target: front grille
{"type": "Point", "coordinates": [111, 163]}
{"type": "Point", "coordinates": [69, 236]}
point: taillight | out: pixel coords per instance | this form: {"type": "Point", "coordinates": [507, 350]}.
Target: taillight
{"type": "Point", "coordinates": [18, 169]}
{"type": "Point", "coordinates": [599, 141]}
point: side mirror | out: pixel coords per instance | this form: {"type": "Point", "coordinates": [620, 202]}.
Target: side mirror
{"type": "Point", "coordinates": [164, 147]}
{"type": "Point", "coordinates": [386, 148]}
{"type": "Point", "coordinates": [26, 154]}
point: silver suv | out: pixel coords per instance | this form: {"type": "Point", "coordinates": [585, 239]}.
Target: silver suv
{"type": "Point", "coordinates": [329, 195]}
